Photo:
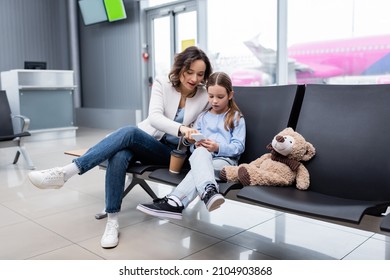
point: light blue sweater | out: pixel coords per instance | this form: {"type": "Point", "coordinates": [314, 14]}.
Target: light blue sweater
{"type": "Point", "coordinates": [231, 143]}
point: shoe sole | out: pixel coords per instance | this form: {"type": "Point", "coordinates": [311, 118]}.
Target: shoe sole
{"type": "Point", "coordinates": [215, 202]}
{"type": "Point", "coordinates": [159, 213]}
{"type": "Point", "coordinates": [39, 186]}
{"type": "Point", "coordinates": [110, 246]}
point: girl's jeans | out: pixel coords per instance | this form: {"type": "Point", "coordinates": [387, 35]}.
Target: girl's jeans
{"type": "Point", "coordinates": [125, 145]}
{"type": "Point", "coordinates": [204, 171]}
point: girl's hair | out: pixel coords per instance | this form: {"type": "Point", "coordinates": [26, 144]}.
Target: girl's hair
{"type": "Point", "coordinates": [183, 62]}
{"type": "Point", "coordinates": [222, 79]}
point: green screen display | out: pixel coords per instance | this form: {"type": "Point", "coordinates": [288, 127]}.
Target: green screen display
{"type": "Point", "coordinates": [115, 9]}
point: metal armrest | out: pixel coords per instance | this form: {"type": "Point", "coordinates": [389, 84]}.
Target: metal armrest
{"type": "Point", "coordinates": [25, 121]}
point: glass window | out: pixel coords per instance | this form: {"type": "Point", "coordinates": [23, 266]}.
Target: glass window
{"type": "Point", "coordinates": [162, 39]}
{"type": "Point", "coordinates": [329, 41]}
{"type": "Point", "coordinates": [236, 33]}
{"type": "Point", "coordinates": [340, 41]}
{"type": "Point", "coordinates": [186, 30]}
{"type": "Point", "coordinates": [153, 3]}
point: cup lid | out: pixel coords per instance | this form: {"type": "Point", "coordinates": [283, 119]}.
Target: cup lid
{"type": "Point", "coordinates": [178, 152]}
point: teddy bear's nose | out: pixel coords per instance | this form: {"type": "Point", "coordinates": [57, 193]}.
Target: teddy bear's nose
{"type": "Point", "coordinates": [280, 139]}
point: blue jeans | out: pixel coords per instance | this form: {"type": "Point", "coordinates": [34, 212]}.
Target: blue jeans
{"type": "Point", "coordinates": [123, 146]}
{"type": "Point", "coordinates": [204, 171]}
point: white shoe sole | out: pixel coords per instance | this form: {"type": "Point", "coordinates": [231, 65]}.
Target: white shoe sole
{"type": "Point", "coordinates": [41, 186]}
{"type": "Point", "coordinates": [215, 202]}
{"type": "Point", "coordinates": [109, 245]}
{"type": "Point", "coordinates": [159, 213]}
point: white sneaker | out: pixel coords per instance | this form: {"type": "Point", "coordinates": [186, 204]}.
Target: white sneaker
{"type": "Point", "coordinates": [47, 179]}
{"type": "Point", "coordinates": [110, 236]}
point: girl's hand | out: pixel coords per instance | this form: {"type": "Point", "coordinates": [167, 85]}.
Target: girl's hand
{"type": "Point", "coordinates": [210, 145]}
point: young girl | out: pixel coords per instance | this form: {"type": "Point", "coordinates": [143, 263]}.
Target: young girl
{"type": "Point", "coordinates": [224, 129]}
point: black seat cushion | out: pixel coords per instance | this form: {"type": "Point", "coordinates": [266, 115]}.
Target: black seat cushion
{"type": "Point", "coordinates": [6, 127]}
{"type": "Point", "coordinates": [385, 224]}
{"type": "Point", "coordinates": [12, 137]}
{"type": "Point", "coordinates": [311, 203]}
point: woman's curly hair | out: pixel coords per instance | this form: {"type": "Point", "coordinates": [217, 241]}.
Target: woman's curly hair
{"type": "Point", "coordinates": [183, 62]}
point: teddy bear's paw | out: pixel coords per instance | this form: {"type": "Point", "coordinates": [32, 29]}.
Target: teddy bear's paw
{"type": "Point", "coordinates": [302, 187]}
{"type": "Point", "coordinates": [229, 174]}
{"type": "Point", "coordinates": [222, 175]}
{"type": "Point", "coordinates": [243, 176]}
{"type": "Point", "coordinates": [302, 181]}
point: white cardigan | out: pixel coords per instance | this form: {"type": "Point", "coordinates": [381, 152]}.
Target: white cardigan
{"type": "Point", "coordinates": [164, 102]}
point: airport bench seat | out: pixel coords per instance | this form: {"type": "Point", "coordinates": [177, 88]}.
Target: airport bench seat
{"type": "Point", "coordinates": [350, 173]}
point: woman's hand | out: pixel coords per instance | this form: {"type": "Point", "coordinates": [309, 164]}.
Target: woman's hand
{"type": "Point", "coordinates": [186, 132]}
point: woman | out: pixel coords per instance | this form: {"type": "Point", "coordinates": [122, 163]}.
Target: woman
{"type": "Point", "coordinates": [174, 105]}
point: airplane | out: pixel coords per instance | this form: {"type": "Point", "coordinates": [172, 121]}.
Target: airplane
{"type": "Point", "coordinates": [352, 60]}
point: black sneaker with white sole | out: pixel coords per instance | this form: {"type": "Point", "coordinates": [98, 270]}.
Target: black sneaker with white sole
{"type": "Point", "coordinates": [161, 208]}
{"type": "Point", "coordinates": [212, 198]}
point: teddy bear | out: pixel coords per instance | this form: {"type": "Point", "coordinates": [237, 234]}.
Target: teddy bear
{"type": "Point", "coordinates": [280, 167]}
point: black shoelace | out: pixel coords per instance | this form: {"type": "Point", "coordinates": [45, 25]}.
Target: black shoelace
{"type": "Point", "coordinates": [209, 192]}
{"type": "Point", "coordinates": [164, 200]}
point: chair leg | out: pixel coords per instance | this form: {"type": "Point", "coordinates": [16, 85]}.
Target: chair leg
{"type": "Point", "coordinates": [101, 215]}
{"type": "Point", "coordinates": [16, 157]}
{"type": "Point", "coordinates": [137, 181]}
{"type": "Point", "coordinates": [147, 188]}
{"type": "Point", "coordinates": [131, 183]}
{"type": "Point", "coordinates": [23, 150]}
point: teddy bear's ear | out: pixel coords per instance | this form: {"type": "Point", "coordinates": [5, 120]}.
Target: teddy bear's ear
{"type": "Point", "coordinates": [310, 152]}
{"type": "Point", "coordinates": [288, 130]}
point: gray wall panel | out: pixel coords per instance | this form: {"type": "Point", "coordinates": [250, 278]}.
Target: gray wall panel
{"type": "Point", "coordinates": [110, 54]}
{"type": "Point", "coordinates": [33, 30]}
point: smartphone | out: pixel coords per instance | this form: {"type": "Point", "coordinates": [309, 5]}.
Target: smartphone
{"type": "Point", "coordinates": [198, 136]}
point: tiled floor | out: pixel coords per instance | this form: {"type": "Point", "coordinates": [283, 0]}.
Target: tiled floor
{"type": "Point", "coordinates": [60, 224]}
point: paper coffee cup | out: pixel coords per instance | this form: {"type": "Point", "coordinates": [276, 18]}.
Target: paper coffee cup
{"type": "Point", "coordinates": [177, 160]}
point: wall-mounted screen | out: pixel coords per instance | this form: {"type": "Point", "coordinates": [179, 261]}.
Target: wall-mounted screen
{"type": "Point", "coordinates": [95, 11]}
{"type": "Point", "coordinates": [115, 10]}
{"type": "Point", "coordinates": [92, 11]}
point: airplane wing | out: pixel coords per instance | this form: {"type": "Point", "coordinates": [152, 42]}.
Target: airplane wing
{"type": "Point", "coordinates": [321, 70]}
{"type": "Point", "coordinates": [265, 55]}
{"type": "Point", "coordinates": [302, 67]}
